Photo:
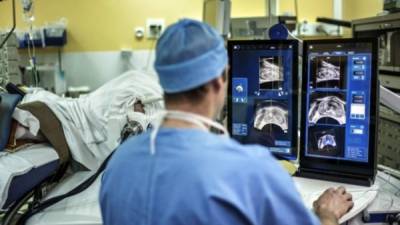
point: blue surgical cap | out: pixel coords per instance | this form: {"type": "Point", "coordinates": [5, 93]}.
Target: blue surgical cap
{"type": "Point", "coordinates": [188, 55]}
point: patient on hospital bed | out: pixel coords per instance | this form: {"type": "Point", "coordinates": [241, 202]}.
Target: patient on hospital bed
{"type": "Point", "coordinates": [92, 123]}
{"type": "Point", "coordinates": [84, 131]}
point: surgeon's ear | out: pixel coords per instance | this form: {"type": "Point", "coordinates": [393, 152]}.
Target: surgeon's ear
{"type": "Point", "coordinates": [218, 84]}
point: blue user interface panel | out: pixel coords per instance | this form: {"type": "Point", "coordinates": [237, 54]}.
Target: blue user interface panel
{"type": "Point", "coordinates": [262, 108]}
{"type": "Point", "coordinates": [338, 104]}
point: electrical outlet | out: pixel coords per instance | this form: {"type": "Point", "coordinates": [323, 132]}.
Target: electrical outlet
{"type": "Point", "coordinates": [139, 32]}
{"type": "Point", "coordinates": [154, 28]}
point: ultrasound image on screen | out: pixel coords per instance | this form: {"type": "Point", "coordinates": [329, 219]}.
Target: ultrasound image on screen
{"type": "Point", "coordinates": [328, 72]}
{"type": "Point", "coordinates": [262, 108]}
{"type": "Point", "coordinates": [271, 73]}
{"type": "Point", "coordinates": [271, 123]}
{"type": "Point", "coordinates": [327, 108]}
{"type": "Point", "coordinates": [271, 113]}
{"type": "Point", "coordinates": [326, 141]}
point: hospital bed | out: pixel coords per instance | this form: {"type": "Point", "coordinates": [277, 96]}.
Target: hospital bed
{"type": "Point", "coordinates": [92, 131]}
{"type": "Point", "coordinates": [22, 173]}
{"type": "Point", "coordinates": [25, 171]}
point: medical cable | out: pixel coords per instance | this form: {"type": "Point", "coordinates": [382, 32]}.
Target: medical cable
{"type": "Point", "coordinates": [388, 181]}
{"type": "Point", "coordinates": [389, 171]}
{"type": "Point", "coordinates": [78, 189]}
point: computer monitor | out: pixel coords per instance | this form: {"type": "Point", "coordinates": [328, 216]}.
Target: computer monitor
{"type": "Point", "coordinates": [339, 110]}
{"type": "Point", "coordinates": [263, 92]}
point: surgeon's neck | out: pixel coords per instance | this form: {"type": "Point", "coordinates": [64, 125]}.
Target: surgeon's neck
{"type": "Point", "coordinates": [203, 109]}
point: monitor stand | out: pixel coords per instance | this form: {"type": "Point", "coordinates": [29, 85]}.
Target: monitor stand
{"type": "Point", "coordinates": [335, 176]}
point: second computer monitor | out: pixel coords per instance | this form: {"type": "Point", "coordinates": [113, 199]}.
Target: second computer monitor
{"type": "Point", "coordinates": [262, 107]}
{"type": "Point", "coordinates": [339, 107]}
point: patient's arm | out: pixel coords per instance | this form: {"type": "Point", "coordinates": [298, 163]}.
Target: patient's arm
{"type": "Point", "coordinates": [20, 137]}
{"type": "Point", "coordinates": [22, 132]}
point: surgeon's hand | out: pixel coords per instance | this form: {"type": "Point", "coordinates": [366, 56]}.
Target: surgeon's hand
{"type": "Point", "coordinates": [332, 205]}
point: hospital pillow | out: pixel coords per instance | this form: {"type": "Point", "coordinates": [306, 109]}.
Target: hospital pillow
{"type": "Point", "coordinates": [8, 102]}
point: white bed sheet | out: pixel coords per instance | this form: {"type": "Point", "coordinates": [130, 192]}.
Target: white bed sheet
{"type": "Point", "coordinates": [21, 162]}
{"type": "Point", "coordinates": [86, 121]}
{"type": "Point", "coordinates": [81, 209]}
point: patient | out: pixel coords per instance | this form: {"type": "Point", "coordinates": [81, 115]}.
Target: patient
{"type": "Point", "coordinates": [93, 125]}
{"type": "Point", "coordinates": [22, 137]}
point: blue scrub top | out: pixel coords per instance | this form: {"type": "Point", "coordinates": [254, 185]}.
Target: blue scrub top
{"type": "Point", "coordinates": [196, 178]}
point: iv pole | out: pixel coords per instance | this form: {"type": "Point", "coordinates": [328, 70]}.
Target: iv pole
{"type": "Point", "coordinates": [12, 29]}
{"type": "Point", "coordinates": [270, 12]}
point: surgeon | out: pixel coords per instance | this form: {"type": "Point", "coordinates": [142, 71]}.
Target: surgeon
{"type": "Point", "coordinates": [180, 173]}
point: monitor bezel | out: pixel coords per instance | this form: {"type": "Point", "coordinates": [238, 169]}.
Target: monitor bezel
{"type": "Point", "coordinates": [295, 89]}
{"type": "Point", "coordinates": [336, 165]}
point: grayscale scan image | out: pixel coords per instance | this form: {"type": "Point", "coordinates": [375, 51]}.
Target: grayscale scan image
{"type": "Point", "coordinates": [271, 73]}
{"type": "Point", "coordinates": [271, 113]}
{"type": "Point", "coordinates": [328, 72]}
{"type": "Point", "coordinates": [327, 108]}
